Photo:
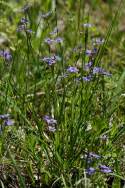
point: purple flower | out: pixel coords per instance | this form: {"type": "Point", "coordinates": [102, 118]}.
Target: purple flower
{"type": "Point", "coordinates": [51, 128]}
{"type": "Point", "coordinates": [99, 70]}
{"type": "Point", "coordinates": [58, 40]}
{"type": "Point", "coordinates": [72, 69]}
{"type": "Point", "coordinates": [93, 155]}
{"type": "Point", "coordinates": [49, 120]}
{"type": "Point", "coordinates": [87, 78]}
{"type": "Point", "coordinates": [9, 122]}
{"type": "Point", "coordinates": [21, 28]}
{"type": "Point", "coordinates": [88, 66]}
{"type": "Point", "coordinates": [23, 21]}
{"type": "Point", "coordinates": [6, 120]}
{"type": "Point", "coordinates": [90, 171]}
{"type": "Point", "coordinates": [91, 52]}
{"type": "Point", "coordinates": [51, 60]}
{"type": "Point", "coordinates": [49, 41]}
{"type": "Point", "coordinates": [51, 123]}
{"type": "Point", "coordinates": [6, 55]}
{"type": "Point", "coordinates": [105, 169]}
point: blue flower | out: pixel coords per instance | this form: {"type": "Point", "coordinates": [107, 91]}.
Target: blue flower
{"type": "Point", "coordinates": [90, 171]}
{"type": "Point", "coordinates": [58, 40]}
{"type": "Point", "coordinates": [49, 41]}
{"type": "Point", "coordinates": [51, 128]}
{"type": "Point", "coordinates": [49, 120]}
{"type": "Point", "coordinates": [91, 52]}
{"type": "Point", "coordinates": [51, 60]}
{"type": "Point", "coordinates": [6, 55]}
{"type": "Point", "coordinates": [51, 123]}
{"type": "Point", "coordinates": [21, 28]}
{"type": "Point", "coordinates": [105, 169]}
{"type": "Point", "coordinates": [23, 21]}
{"type": "Point", "coordinates": [88, 65]}
{"type": "Point", "coordinates": [87, 78]}
{"type": "Point", "coordinates": [6, 120]}
{"type": "Point", "coordinates": [93, 155]}
{"type": "Point", "coordinates": [99, 70]}
{"type": "Point", "coordinates": [72, 69]}
{"type": "Point", "coordinates": [9, 122]}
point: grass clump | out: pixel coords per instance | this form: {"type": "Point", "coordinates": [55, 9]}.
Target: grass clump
{"type": "Point", "coordinates": [62, 94]}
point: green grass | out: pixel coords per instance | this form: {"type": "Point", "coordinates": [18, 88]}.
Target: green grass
{"type": "Point", "coordinates": [90, 114]}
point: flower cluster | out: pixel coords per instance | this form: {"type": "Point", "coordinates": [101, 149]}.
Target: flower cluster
{"type": "Point", "coordinates": [95, 70]}
{"type": "Point", "coordinates": [23, 26]}
{"type": "Point", "coordinates": [102, 168]}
